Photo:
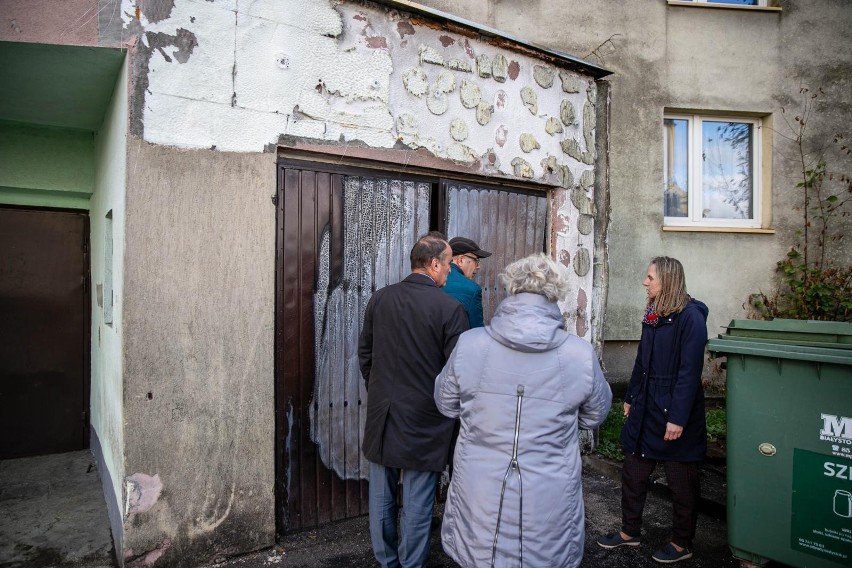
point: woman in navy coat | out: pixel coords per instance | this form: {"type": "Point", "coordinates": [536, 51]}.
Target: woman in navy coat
{"type": "Point", "coordinates": [664, 407]}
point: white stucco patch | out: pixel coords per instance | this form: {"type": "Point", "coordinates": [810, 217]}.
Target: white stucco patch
{"type": "Point", "coordinates": [233, 91]}
{"type": "Point", "coordinates": [339, 71]}
{"type": "Point", "coordinates": [186, 123]}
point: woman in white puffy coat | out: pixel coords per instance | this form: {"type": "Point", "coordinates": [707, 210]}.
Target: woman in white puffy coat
{"type": "Point", "coordinates": [522, 386]}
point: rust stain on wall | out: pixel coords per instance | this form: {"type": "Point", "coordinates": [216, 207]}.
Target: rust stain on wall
{"type": "Point", "coordinates": [404, 29]}
{"type": "Point", "coordinates": [514, 70]}
{"type": "Point", "coordinates": [500, 99]}
{"type": "Point", "coordinates": [446, 41]}
{"type": "Point", "coordinates": [469, 50]}
{"type": "Point", "coordinates": [377, 42]}
{"type": "Point", "coordinates": [148, 559]}
{"type": "Point", "coordinates": [582, 303]}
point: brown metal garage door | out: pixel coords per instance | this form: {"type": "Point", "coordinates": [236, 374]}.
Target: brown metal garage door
{"type": "Point", "coordinates": [342, 234]}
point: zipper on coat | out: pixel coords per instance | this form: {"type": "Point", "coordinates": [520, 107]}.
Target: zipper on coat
{"type": "Point", "coordinates": [516, 468]}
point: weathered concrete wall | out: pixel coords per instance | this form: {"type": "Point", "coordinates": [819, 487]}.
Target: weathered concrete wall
{"type": "Point", "coordinates": [72, 22]}
{"type": "Point", "coordinates": [69, 22]}
{"type": "Point", "coordinates": [693, 58]}
{"type": "Point", "coordinates": [107, 362]}
{"type": "Point", "coordinates": [198, 348]}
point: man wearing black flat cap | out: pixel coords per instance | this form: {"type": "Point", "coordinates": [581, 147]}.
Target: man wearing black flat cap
{"type": "Point", "coordinates": [460, 284]}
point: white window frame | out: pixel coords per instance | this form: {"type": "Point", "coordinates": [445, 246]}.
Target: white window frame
{"type": "Point", "coordinates": [761, 6]}
{"type": "Point", "coordinates": [695, 193]}
{"type": "Point", "coordinates": [759, 3]}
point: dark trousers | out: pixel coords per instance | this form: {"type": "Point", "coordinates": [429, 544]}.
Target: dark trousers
{"type": "Point", "coordinates": [685, 487]}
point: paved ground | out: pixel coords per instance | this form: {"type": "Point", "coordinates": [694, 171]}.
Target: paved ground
{"type": "Point", "coordinates": [52, 514]}
{"type": "Point", "coordinates": [347, 544]}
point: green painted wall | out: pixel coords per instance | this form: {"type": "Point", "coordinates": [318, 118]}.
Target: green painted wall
{"type": "Point", "coordinates": [107, 394]}
{"type": "Point", "coordinates": [46, 167]}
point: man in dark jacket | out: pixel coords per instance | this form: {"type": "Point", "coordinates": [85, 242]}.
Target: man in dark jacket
{"type": "Point", "coordinates": [460, 284]}
{"type": "Point", "coordinates": [410, 329]}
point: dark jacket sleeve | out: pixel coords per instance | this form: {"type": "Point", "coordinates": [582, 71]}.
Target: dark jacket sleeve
{"type": "Point", "coordinates": [693, 337]}
{"type": "Point", "coordinates": [476, 319]}
{"type": "Point", "coordinates": [455, 326]}
{"type": "Point", "coordinates": [365, 344]}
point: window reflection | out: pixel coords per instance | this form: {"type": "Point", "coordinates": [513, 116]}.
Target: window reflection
{"type": "Point", "coordinates": [726, 170]}
{"type": "Point", "coordinates": [676, 139]}
{"type": "Point", "coordinates": [710, 174]}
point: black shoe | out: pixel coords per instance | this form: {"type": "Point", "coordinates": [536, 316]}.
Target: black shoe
{"type": "Point", "coordinates": [614, 540]}
{"type": "Point", "coordinates": [669, 554]}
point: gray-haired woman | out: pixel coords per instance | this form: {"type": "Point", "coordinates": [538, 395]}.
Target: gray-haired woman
{"type": "Point", "coordinates": [521, 386]}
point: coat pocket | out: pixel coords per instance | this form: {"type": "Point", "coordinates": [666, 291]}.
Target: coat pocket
{"type": "Point", "coordinates": [660, 390]}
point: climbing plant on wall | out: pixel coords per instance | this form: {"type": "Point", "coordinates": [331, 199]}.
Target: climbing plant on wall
{"type": "Point", "coordinates": [815, 276]}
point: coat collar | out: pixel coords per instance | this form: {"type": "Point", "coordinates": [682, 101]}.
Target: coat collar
{"type": "Point", "coordinates": [455, 268]}
{"type": "Point", "coordinates": [418, 278]}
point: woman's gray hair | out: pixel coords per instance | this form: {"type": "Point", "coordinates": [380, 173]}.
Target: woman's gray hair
{"type": "Point", "coordinates": [537, 274]}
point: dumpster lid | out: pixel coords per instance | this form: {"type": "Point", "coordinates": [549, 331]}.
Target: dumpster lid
{"type": "Point", "coordinates": [729, 345]}
{"type": "Point", "coordinates": [834, 334]}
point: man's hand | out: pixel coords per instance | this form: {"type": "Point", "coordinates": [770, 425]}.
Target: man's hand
{"type": "Point", "coordinates": [673, 432]}
{"type": "Point", "coordinates": [626, 409]}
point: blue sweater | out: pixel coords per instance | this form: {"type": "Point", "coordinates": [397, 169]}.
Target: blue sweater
{"type": "Point", "coordinates": [466, 291]}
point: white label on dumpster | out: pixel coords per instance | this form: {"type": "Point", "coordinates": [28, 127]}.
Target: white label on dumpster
{"type": "Point", "coordinates": [837, 431]}
{"type": "Point", "coordinates": [821, 519]}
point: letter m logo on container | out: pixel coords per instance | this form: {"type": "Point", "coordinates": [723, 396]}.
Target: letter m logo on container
{"type": "Point", "coordinates": [836, 426]}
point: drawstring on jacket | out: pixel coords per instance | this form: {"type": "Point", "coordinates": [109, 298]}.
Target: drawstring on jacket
{"type": "Point", "coordinates": [513, 467]}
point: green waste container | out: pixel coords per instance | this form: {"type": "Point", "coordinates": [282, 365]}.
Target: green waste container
{"type": "Point", "coordinates": [789, 409]}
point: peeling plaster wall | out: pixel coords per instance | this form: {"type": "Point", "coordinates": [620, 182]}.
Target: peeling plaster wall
{"type": "Point", "coordinates": [239, 76]}
{"type": "Point", "coordinates": [695, 58]}
{"type": "Point", "coordinates": [107, 364]}
{"type": "Point", "coordinates": [198, 349]}
{"type": "Point", "coordinates": [349, 73]}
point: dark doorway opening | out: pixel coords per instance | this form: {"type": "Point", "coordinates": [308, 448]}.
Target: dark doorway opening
{"type": "Point", "coordinates": [44, 331]}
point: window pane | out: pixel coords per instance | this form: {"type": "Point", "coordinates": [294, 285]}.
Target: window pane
{"type": "Point", "coordinates": [727, 177]}
{"type": "Point", "coordinates": [676, 188]}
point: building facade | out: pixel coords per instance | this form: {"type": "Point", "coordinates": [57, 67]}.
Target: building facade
{"type": "Point", "coordinates": [238, 177]}
{"type": "Point", "coordinates": [693, 83]}
{"type": "Point", "coordinates": [241, 176]}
